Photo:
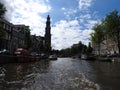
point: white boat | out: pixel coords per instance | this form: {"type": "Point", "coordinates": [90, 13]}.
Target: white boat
{"type": "Point", "coordinates": [53, 57]}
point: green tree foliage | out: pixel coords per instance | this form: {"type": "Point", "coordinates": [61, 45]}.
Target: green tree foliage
{"type": "Point", "coordinates": [2, 10]}
{"type": "Point", "coordinates": [80, 47]}
{"type": "Point", "coordinates": [41, 46]}
{"type": "Point", "coordinates": [89, 49]}
{"type": "Point", "coordinates": [28, 40]}
{"type": "Point", "coordinates": [47, 48]}
{"type": "Point", "coordinates": [98, 35]}
{"type": "Point", "coordinates": [109, 27]}
{"type": "Point", "coordinates": [112, 26]}
{"type": "Point", "coordinates": [65, 52]}
{"type": "Point", "coordinates": [76, 49]}
{"type": "Point", "coordinates": [84, 49]}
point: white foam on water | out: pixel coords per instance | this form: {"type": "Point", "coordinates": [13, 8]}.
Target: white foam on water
{"type": "Point", "coordinates": [78, 81]}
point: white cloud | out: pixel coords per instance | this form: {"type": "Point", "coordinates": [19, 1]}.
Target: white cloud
{"type": "Point", "coordinates": [28, 12]}
{"type": "Point", "coordinates": [68, 12]}
{"type": "Point", "coordinates": [63, 8]}
{"type": "Point", "coordinates": [86, 16]}
{"type": "Point", "coordinates": [91, 23]}
{"type": "Point", "coordinates": [66, 33]}
{"type": "Point", "coordinates": [84, 4]}
{"type": "Point", "coordinates": [63, 34]}
{"type": "Point", "coordinates": [9, 8]}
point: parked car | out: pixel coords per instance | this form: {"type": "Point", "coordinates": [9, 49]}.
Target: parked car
{"type": "Point", "coordinates": [34, 54]}
{"type": "Point", "coordinates": [21, 51]}
{"type": "Point", "coordinates": [4, 52]}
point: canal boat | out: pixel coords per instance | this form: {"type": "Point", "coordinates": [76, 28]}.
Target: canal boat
{"type": "Point", "coordinates": [20, 56]}
{"type": "Point", "coordinates": [23, 56]}
{"type": "Point", "coordinates": [87, 57]}
{"type": "Point", "coordinates": [105, 59]}
{"type": "Point", "coordinates": [7, 59]}
{"type": "Point", "coordinates": [52, 57]}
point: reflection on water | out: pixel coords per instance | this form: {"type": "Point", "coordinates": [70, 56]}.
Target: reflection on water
{"type": "Point", "coordinates": [62, 74]}
{"type": "Point", "coordinates": [20, 76]}
{"type": "Point", "coordinates": [107, 75]}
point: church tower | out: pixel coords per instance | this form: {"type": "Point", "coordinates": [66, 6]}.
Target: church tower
{"type": "Point", "coordinates": [48, 35]}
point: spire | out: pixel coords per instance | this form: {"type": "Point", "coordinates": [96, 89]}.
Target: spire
{"type": "Point", "coordinates": [48, 18]}
{"type": "Point", "coordinates": [48, 35]}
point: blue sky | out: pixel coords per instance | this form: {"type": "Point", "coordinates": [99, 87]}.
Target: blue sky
{"type": "Point", "coordinates": [71, 20]}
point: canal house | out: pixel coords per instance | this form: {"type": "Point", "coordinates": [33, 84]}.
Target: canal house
{"type": "Point", "coordinates": [12, 36]}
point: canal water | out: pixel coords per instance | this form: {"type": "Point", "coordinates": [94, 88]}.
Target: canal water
{"type": "Point", "coordinates": [61, 74]}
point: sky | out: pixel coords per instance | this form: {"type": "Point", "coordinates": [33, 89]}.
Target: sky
{"type": "Point", "coordinates": [71, 20]}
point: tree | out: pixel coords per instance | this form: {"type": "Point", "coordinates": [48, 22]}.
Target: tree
{"type": "Point", "coordinates": [112, 26]}
{"type": "Point", "coordinates": [84, 49]}
{"type": "Point", "coordinates": [2, 10]}
{"type": "Point", "coordinates": [28, 40]}
{"type": "Point", "coordinates": [89, 49]}
{"type": "Point", "coordinates": [41, 46]}
{"type": "Point", "coordinates": [74, 49]}
{"type": "Point", "coordinates": [97, 35]}
{"type": "Point", "coordinates": [80, 47]}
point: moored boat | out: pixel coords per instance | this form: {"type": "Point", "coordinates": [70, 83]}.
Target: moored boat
{"type": "Point", "coordinates": [52, 57]}
{"type": "Point", "coordinates": [20, 56]}
{"type": "Point", "coordinates": [7, 59]}
{"type": "Point", "coordinates": [23, 56]}
{"type": "Point", "coordinates": [87, 57]}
